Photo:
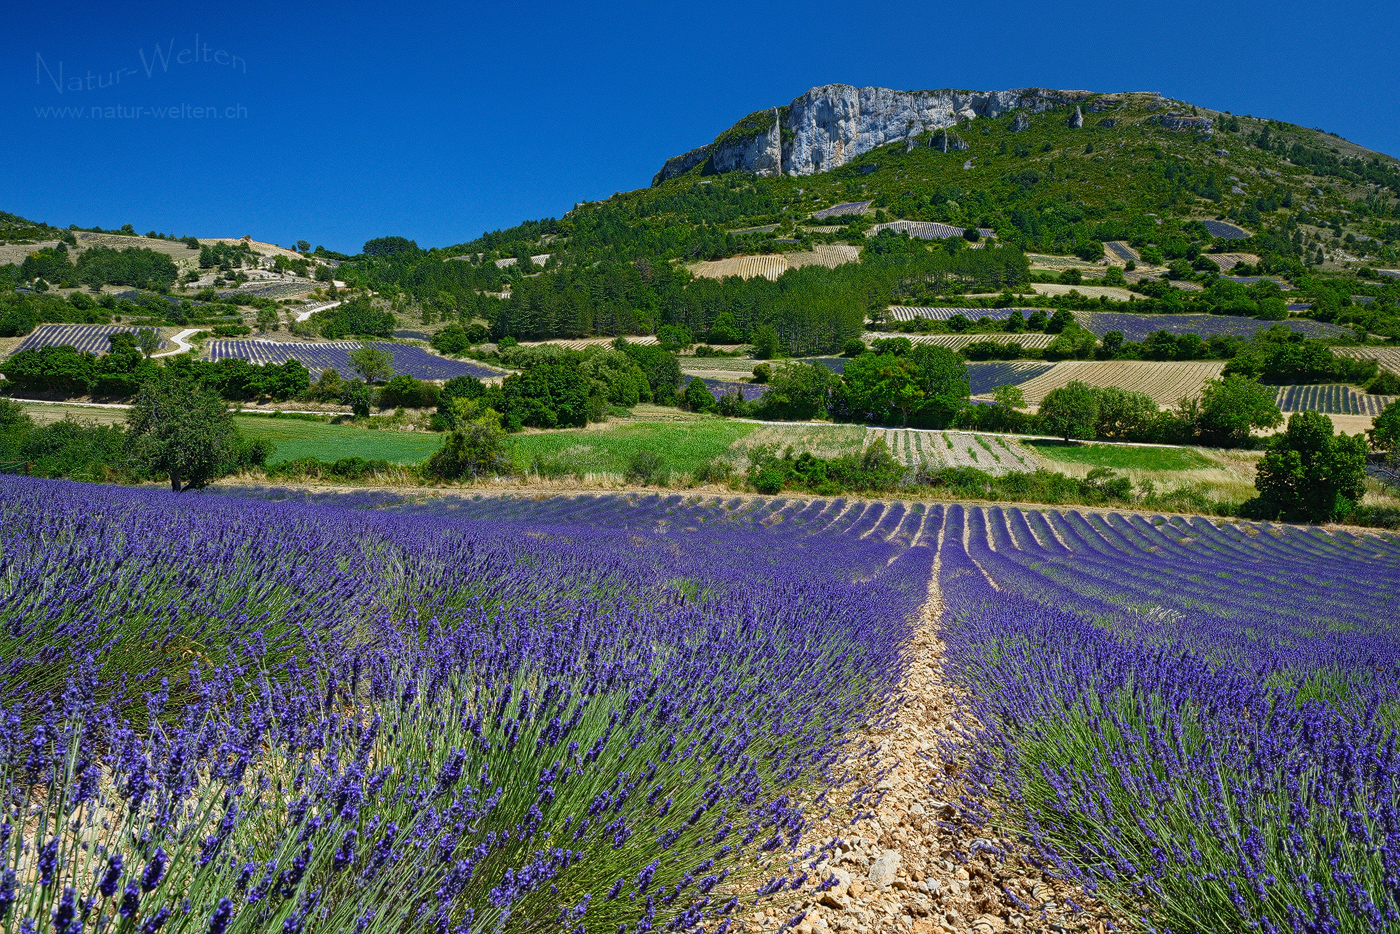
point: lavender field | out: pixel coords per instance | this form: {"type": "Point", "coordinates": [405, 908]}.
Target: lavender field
{"type": "Point", "coordinates": [1135, 327]}
{"type": "Point", "coordinates": [223, 714]}
{"type": "Point", "coordinates": [280, 711]}
{"type": "Point", "coordinates": [1197, 720]}
{"type": "Point", "coordinates": [335, 355]}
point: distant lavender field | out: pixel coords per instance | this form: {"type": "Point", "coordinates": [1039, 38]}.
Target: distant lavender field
{"type": "Point", "coordinates": [1137, 326]}
{"type": "Point", "coordinates": [335, 355]}
{"type": "Point", "coordinates": [725, 387]}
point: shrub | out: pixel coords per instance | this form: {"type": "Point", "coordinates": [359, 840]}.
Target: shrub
{"type": "Point", "coordinates": [1073, 342]}
{"type": "Point", "coordinates": [765, 342]}
{"type": "Point", "coordinates": [56, 369]}
{"type": "Point", "coordinates": [769, 481]}
{"type": "Point", "coordinates": [358, 395]}
{"type": "Point", "coordinates": [1125, 415]}
{"type": "Point", "coordinates": [17, 321]}
{"type": "Point", "coordinates": [647, 467]}
{"type": "Point", "coordinates": [372, 364]}
{"type": "Point", "coordinates": [797, 392]}
{"type": "Point", "coordinates": [661, 367]}
{"type": "Point", "coordinates": [456, 339]}
{"type": "Point", "coordinates": [853, 347]}
{"type": "Point", "coordinates": [549, 395]}
{"type": "Point", "coordinates": [476, 447]}
{"type": "Point", "coordinates": [356, 468]}
{"type": "Point", "coordinates": [698, 397]}
{"type": "Point", "coordinates": [1231, 407]}
{"type": "Point", "coordinates": [714, 471]}
{"type": "Point", "coordinates": [139, 267]}
{"type": "Point", "coordinates": [673, 337]}
{"type": "Point", "coordinates": [1386, 383]}
{"type": "Point", "coordinates": [354, 318]}
{"type": "Point", "coordinates": [403, 391]}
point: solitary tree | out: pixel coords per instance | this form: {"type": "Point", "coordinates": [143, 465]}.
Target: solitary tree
{"type": "Point", "coordinates": [1309, 473]}
{"type": "Point", "coordinates": [1385, 430]}
{"type": "Point", "coordinates": [1072, 412]}
{"type": "Point", "coordinates": [180, 431]}
{"type": "Point", "coordinates": [1230, 407]}
{"type": "Point", "coordinates": [373, 365]}
{"type": "Point", "coordinates": [765, 342]}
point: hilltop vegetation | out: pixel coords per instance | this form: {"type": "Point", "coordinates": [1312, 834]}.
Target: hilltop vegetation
{"type": "Point", "coordinates": [1320, 212]}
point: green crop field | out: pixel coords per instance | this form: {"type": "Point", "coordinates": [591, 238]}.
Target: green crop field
{"type": "Point", "coordinates": [1120, 456]}
{"type": "Point", "coordinates": [684, 446]}
{"type": "Point", "coordinates": [295, 437]}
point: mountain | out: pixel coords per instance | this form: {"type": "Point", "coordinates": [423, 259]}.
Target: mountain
{"type": "Point", "coordinates": [829, 126]}
{"type": "Point", "coordinates": [1181, 191]}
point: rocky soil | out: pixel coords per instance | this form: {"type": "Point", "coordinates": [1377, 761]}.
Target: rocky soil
{"type": "Point", "coordinates": [911, 863]}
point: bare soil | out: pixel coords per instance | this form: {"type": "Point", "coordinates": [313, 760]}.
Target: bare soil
{"type": "Point", "coordinates": [913, 863]}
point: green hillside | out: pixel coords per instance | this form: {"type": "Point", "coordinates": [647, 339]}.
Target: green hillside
{"type": "Point", "coordinates": [1321, 213]}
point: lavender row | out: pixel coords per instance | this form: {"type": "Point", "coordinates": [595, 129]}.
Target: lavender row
{"type": "Point", "coordinates": [335, 355]}
{"type": "Point", "coordinates": [479, 714]}
{"type": "Point", "coordinates": [1195, 721]}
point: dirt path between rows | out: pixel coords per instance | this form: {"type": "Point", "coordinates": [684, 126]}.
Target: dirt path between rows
{"type": "Point", "coordinates": [904, 867]}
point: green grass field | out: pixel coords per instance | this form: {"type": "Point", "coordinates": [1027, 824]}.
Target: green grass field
{"type": "Point", "coordinates": [295, 437]}
{"type": "Point", "coordinates": [1121, 457]}
{"type": "Point", "coordinates": [684, 446]}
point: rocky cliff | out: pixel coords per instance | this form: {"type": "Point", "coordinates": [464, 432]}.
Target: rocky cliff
{"type": "Point", "coordinates": [828, 126]}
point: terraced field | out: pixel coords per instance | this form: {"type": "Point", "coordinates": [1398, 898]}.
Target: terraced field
{"type": "Point", "coordinates": [1331, 399]}
{"type": "Point", "coordinates": [995, 454]}
{"type": "Point", "coordinates": [1027, 339]}
{"type": "Point", "coordinates": [1166, 382]}
{"type": "Point", "coordinates": [842, 210]}
{"type": "Point", "coordinates": [984, 377]}
{"type": "Point", "coordinates": [1112, 292]}
{"type": "Point", "coordinates": [1136, 326]}
{"type": "Point", "coordinates": [729, 387]}
{"type": "Point", "coordinates": [745, 267]}
{"type": "Point", "coordinates": [335, 355]}
{"type": "Point", "coordinates": [928, 230]}
{"type": "Point", "coordinates": [583, 343]}
{"type": "Point", "coordinates": [1047, 261]}
{"type": "Point", "coordinates": [92, 338]}
{"type": "Point", "coordinates": [772, 266]}
{"type": "Point", "coordinates": [1228, 261]}
{"type": "Point", "coordinates": [914, 312]}
{"type": "Point", "coordinates": [829, 255]}
{"type": "Point", "coordinates": [1387, 357]}
{"type": "Point", "coordinates": [1225, 231]}
{"type": "Point", "coordinates": [1255, 280]}
{"type": "Point", "coordinates": [1122, 251]}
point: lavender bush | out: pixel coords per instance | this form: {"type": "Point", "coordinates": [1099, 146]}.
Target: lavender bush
{"type": "Point", "coordinates": [1196, 722]}
{"type": "Point", "coordinates": [221, 714]}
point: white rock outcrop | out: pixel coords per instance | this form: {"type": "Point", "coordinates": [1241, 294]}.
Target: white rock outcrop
{"type": "Point", "coordinates": [831, 125]}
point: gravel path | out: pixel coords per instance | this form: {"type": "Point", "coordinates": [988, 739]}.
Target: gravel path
{"type": "Point", "coordinates": [182, 344]}
{"type": "Point", "coordinates": [906, 865]}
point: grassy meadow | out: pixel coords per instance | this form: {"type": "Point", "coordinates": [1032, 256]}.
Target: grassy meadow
{"type": "Point", "coordinates": [305, 437]}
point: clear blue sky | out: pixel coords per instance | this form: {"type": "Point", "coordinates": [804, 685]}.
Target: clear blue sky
{"type": "Point", "coordinates": [352, 120]}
